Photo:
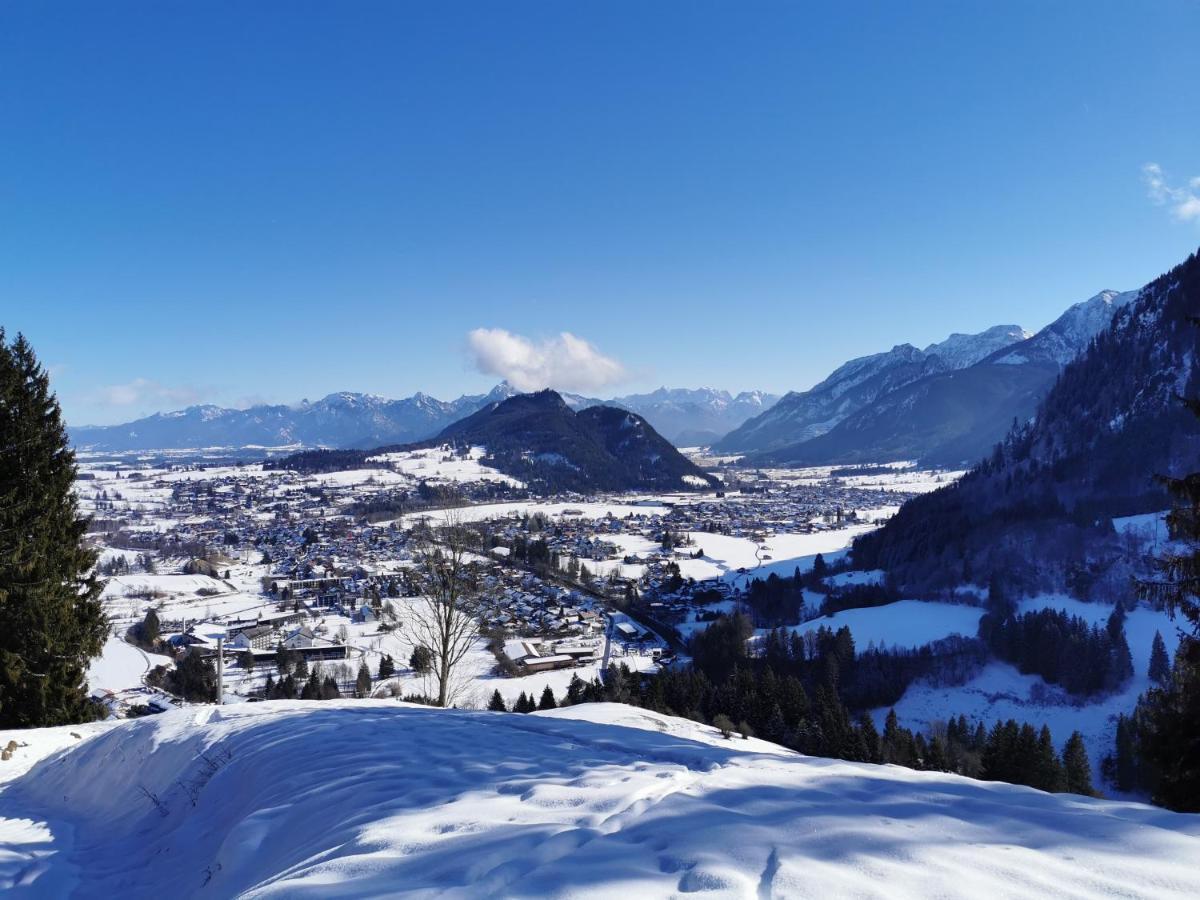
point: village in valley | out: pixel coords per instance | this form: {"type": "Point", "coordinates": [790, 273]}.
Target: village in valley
{"type": "Point", "coordinates": [266, 574]}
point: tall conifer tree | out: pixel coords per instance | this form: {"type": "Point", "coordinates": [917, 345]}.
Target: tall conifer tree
{"type": "Point", "coordinates": [51, 620]}
{"type": "Point", "coordinates": [1169, 724]}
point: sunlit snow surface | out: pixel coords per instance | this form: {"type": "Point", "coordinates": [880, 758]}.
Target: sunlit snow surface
{"type": "Point", "coordinates": [362, 798]}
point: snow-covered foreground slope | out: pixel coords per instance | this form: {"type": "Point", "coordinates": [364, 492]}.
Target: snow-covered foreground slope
{"type": "Point", "coordinates": [361, 798]}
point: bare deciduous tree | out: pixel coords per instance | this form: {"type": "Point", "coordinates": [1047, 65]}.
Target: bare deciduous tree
{"type": "Point", "coordinates": [445, 618]}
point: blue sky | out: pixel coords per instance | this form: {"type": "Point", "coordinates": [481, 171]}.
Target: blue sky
{"type": "Point", "coordinates": [233, 202]}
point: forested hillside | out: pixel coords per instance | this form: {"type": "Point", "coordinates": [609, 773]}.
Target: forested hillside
{"type": "Point", "coordinates": [1038, 510]}
{"type": "Point", "coordinates": [538, 439]}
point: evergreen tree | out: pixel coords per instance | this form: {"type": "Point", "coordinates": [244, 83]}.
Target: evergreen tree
{"type": "Point", "coordinates": [286, 689]}
{"type": "Point", "coordinates": [922, 752]}
{"type": "Point", "coordinates": [1160, 663]}
{"type": "Point", "coordinates": [871, 742]}
{"type": "Point", "coordinates": [547, 699]}
{"type": "Point", "coordinates": [51, 620]}
{"type": "Point", "coordinates": [330, 689]}
{"type": "Point", "coordinates": [937, 760]}
{"type": "Point", "coordinates": [1169, 733]}
{"type": "Point", "coordinates": [819, 571]}
{"type": "Point", "coordinates": [150, 628]}
{"type": "Point", "coordinates": [1077, 768]}
{"type": "Point", "coordinates": [775, 729]}
{"type": "Point", "coordinates": [362, 683]}
{"type": "Point", "coordinates": [575, 690]}
{"type": "Point", "coordinates": [899, 747]}
{"type": "Point", "coordinates": [285, 661]}
{"type": "Point", "coordinates": [1048, 774]}
{"type": "Point", "coordinates": [496, 704]}
{"type": "Point", "coordinates": [312, 688]}
{"type": "Point", "coordinates": [1124, 774]}
{"type": "Point", "coordinates": [387, 667]}
{"type": "Point", "coordinates": [193, 678]}
{"type": "Point", "coordinates": [1000, 752]}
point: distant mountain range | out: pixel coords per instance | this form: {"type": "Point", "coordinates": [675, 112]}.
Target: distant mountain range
{"type": "Point", "coordinates": [1037, 511]}
{"type": "Point", "coordinates": [692, 418]}
{"type": "Point", "coordinates": [350, 420]}
{"type": "Point", "coordinates": [947, 404]}
{"type": "Point", "coordinates": [539, 439]}
{"type": "Point", "coordinates": [339, 420]}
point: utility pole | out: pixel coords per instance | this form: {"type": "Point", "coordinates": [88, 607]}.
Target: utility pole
{"type": "Point", "coordinates": [220, 671]}
{"type": "Point", "coordinates": [218, 633]}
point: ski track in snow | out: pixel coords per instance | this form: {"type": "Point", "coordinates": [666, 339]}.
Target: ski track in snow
{"type": "Point", "coordinates": [363, 798]}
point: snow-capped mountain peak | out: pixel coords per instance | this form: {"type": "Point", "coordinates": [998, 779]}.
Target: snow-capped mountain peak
{"type": "Point", "coordinates": [1069, 335]}
{"type": "Point", "coordinates": [961, 350]}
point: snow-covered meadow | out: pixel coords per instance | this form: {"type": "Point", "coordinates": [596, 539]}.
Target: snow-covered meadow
{"type": "Point", "coordinates": [1000, 691]}
{"type": "Point", "coordinates": [905, 623]}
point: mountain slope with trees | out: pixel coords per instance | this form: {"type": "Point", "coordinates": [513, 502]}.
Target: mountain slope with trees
{"type": "Point", "coordinates": [51, 621]}
{"type": "Point", "coordinates": [540, 440]}
{"type": "Point", "coordinates": [1038, 510]}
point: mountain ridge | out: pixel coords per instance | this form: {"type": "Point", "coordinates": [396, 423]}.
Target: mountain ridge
{"type": "Point", "coordinates": [1107, 427]}
{"type": "Point", "coordinates": [953, 417]}
{"type": "Point", "coordinates": [542, 442]}
{"type": "Point", "coordinates": [538, 439]}
{"type": "Point", "coordinates": [350, 420]}
{"type": "Point", "coordinates": [803, 415]}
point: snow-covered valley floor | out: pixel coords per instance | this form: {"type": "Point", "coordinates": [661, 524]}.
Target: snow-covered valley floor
{"type": "Point", "coordinates": [371, 798]}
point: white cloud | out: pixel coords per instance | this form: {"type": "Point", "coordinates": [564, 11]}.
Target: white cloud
{"type": "Point", "coordinates": [1184, 202]}
{"type": "Point", "coordinates": [565, 362]}
{"type": "Point", "coordinates": [143, 391]}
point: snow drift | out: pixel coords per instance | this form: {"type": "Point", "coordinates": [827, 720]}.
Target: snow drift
{"type": "Point", "coordinates": [362, 798]}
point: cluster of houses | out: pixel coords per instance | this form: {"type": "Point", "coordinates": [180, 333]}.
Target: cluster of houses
{"type": "Point", "coordinates": [320, 555]}
{"type": "Point", "coordinates": [532, 655]}
{"type": "Point", "coordinates": [520, 603]}
{"type": "Point", "coordinates": [262, 636]}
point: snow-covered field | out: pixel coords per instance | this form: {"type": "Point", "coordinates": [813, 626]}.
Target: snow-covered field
{"type": "Point", "coordinates": [441, 464]}
{"type": "Point", "coordinates": [724, 555]}
{"type": "Point", "coordinates": [120, 666]}
{"type": "Point", "coordinates": [905, 623]}
{"type": "Point", "coordinates": [167, 585]}
{"type": "Point", "coordinates": [845, 579]}
{"type": "Point", "coordinates": [1151, 528]}
{"type": "Point", "coordinates": [362, 798]}
{"type": "Point", "coordinates": [180, 597]}
{"type": "Point", "coordinates": [899, 476]}
{"type": "Point", "coordinates": [1000, 692]}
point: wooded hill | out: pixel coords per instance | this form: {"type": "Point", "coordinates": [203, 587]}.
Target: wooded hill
{"type": "Point", "coordinates": [1038, 511]}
